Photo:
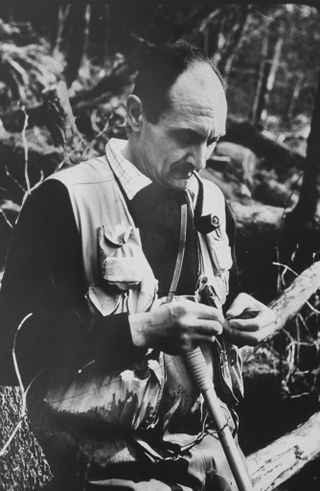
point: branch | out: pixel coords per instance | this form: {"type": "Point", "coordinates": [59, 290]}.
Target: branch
{"type": "Point", "coordinates": [283, 458]}
{"type": "Point", "coordinates": [40, 157]}
{"type": "Point", "coordinates": [293, 298]}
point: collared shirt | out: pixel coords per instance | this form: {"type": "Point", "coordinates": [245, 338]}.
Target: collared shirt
{"type": "Point", "coordinates": [131, 178]}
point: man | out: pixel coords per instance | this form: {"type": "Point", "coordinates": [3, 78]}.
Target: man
{"type": "Point", "coordinates": [125, 263]}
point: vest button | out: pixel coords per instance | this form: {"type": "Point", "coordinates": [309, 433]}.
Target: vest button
{"type": "Point", "coordinates": [207, 223]}
{"type": "Point", "coordinates": [215, 222]}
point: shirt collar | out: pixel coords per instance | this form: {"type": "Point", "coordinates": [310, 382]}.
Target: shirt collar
{"type": "Point", "coordinates": [131, 178]}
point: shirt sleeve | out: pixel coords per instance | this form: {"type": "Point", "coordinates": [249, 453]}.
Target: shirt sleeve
{"type": "Point", "coordinates": [43, 276]}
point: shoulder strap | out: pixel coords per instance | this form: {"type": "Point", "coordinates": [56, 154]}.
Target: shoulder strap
{"type": "Point", "coordinates": [180, 256]}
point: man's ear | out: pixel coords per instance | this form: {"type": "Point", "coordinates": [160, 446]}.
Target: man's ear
{"type": "Point", "coordinates": [134, 112]}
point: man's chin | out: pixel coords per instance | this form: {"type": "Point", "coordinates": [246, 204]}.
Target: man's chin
{"type": "Point", "coordinates": [179, 183]}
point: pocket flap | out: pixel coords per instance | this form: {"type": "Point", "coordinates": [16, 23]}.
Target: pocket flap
{"type": "Point", "coordinates": [116, 237]}
{"type": "Point", "coordinates": [105, 304]}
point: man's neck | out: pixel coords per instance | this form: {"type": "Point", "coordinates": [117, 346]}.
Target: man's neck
{"type": "Point", "coordinates": [132, 152]}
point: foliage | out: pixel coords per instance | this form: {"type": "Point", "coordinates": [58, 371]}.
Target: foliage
{"type": "Point", "coordinates": [24, 70]}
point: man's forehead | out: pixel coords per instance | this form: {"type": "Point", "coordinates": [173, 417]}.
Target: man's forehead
{"type": "Point", "coordinates": [198, 97]}
{"type": "Point", "coordinates": [199, 84]}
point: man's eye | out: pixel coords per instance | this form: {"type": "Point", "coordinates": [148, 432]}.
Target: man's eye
{"type": "Point", "coordinates": [212, 140]}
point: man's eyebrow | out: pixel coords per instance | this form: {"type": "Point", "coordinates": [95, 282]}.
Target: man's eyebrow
{"type": "Point", "coordinates": [188, 132]}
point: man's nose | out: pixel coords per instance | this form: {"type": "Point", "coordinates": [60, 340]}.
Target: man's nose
{"type": "Point", "coordinates": [200, 154]}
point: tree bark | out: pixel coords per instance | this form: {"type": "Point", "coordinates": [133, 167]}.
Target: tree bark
{"type": "Point", "coordinates": [229, 56]}
{"type": "Point", "coordinates": [63, 13]}
{"type": "Point", "coordinates": [283, 458]}
{"type": "Point", "coordinates": [267, 74]}
{"type": "Point", "coordinates": [292, 299]}
{"type": "Point", "coordinates": [264, 69]}
{"type": "Point", "coordinates": [24, 465]}
{"type": "Point", "coordinates": [296, 89]}
{"type": "Point", "coordinates": [75, 41]}
{"type": "Point", "coordinates": [301, 234]}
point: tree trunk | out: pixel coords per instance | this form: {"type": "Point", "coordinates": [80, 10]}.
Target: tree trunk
{"type": "Point", "coordinates": [75, 41]}
{"type": "Point", "coordinates": [63, 13]}
{"type": "Point", "coordinates": [297, 86]}
{"type": "Point", "coordinates": [283, 458]}
{"type": "Point", "coordinates": [264, 70]}
{"type": "Point", "coordinates": [301, 233]}
{"type": "Point", "coordinates": [234, 45]}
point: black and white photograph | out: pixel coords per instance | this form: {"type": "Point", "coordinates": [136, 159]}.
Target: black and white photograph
{"type": "Point", "coordinates": [159, 245]}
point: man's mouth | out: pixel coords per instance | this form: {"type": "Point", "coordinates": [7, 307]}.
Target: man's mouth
{"type": "Point", "coordinates": [184, 172]}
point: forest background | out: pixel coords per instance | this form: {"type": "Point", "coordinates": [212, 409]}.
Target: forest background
{"type": "Point", "coordinates": [65, 71]}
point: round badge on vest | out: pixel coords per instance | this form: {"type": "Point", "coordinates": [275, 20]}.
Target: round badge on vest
{"type": "Point", "coordinates": [207, 223]}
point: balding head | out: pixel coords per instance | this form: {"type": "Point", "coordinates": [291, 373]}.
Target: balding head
{"type": "Point", "coordinates": [160, 70]}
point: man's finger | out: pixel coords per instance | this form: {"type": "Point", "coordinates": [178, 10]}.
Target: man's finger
{"type": "Point", "coordinates": [244, 304]}
{"type": "Point", "coordinates": [249, 338]}
{"type": "Point", "coordinates": [206, 312]}
{"type": "Point", "coordinates": [263, 319]}
{"type": "Point", "coordinates": [207, 327]}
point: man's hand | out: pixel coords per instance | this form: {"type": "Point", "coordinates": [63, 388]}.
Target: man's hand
{"type": "Point", "coordinates": [176, 327]}
{"type": "Point", "coordinates": [248, 321]}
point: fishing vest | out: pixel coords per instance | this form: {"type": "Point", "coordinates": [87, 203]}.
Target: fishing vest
{"type": "Point", "coordinates": [118, 279]}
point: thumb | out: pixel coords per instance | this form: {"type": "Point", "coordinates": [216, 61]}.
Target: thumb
{"type": "Point", "coordinates": [237, 307]}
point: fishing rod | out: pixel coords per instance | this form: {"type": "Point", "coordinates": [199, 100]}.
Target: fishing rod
{"type": "Point", "coordinates": [197, 366]}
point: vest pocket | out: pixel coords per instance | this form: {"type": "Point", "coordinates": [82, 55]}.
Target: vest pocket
{"type": "Point", "coordinates": [121, 261]}
{"type": "Point", "coordinates": [125, 281]}
{"type": "Point", "coordinates": [220, 252]}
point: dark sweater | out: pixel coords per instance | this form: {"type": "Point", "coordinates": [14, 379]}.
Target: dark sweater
{"type": "Point", "coordinates": [44, 275]}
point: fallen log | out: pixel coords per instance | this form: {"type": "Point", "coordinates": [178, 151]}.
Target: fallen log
{"type": "Point", "coordinates": [291, 300]}
{"type": "Point", "coordinates": [255, 218]}
{"type": "Point", "coordinates": [23, 464]}
{"type": "Point", "coordinates": [287, 455]}
{"type": "Point", "coordinates": [246, 134]}
{"type": "Point", "coordinates": [280, 460]}
{"type": "Point", "coordinates": [296, 295]}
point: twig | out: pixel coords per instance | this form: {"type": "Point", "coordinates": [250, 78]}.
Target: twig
{"type": "Point", "coordinates": [25, 146]}
{"type": "Point", "coordinates": [6, 218]}
{"type": "Point", "coordinates": [17, 183]}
